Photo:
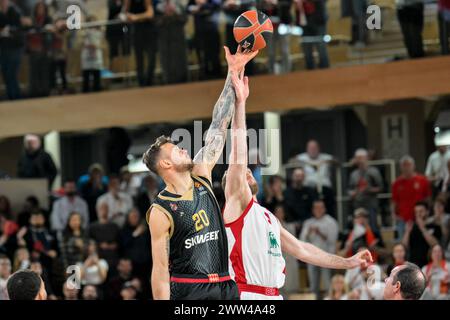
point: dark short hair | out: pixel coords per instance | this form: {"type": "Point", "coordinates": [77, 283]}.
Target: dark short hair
{"type": "Point", "coordinates": [24, 285]}
{"type": "Point", "coordinates": [150, 157]}
{"type": "Point", "coordinates": [422, 204]}
{"type": "Point", "coordinates": [412, 281]}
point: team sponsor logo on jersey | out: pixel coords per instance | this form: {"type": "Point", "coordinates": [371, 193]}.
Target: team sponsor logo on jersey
{"type": "Point", "coordinates": [274, 247]}
{"type": "Point", "coordinates": [173, 206]}
{"type": "Point", "coordinates": [197, 184]}
{"type": "Point", "coordinates": [201, 238]}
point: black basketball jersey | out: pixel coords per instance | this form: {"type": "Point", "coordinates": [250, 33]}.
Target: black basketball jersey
{"type": "Point", "coordinates": [198, 240]}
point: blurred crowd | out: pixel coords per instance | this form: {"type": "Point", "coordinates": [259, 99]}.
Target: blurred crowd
{"type": "Point", "coordinates": [155, 30]}
{"type": "Point", "coordinates": [96, 231]}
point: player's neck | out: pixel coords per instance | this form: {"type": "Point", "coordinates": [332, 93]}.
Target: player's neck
{"type": "Point", "coordinates": [179, 182]}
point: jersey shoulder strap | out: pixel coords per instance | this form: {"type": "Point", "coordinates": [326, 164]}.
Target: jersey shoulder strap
{"type": "Point", "coordinates": [159, 204]}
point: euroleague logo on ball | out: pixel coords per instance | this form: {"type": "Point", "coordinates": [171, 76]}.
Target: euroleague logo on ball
{"type": "Point", "coordinates": [253, 30]}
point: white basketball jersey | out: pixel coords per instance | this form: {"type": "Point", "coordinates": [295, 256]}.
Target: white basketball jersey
{"type": "Point", "coordinates": [254, 248]}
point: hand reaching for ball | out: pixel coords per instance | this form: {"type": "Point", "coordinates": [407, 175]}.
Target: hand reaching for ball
{"type": "Point", "coordinates": [236, 62]}
{"type": "Point", "coordinates": [240, 84]}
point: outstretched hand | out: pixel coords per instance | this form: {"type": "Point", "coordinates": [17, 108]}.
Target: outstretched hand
{"type": "Point", "coordinates": [236, 62]}
{"type": "Point", "coordinates": [361, 259]}
{"type": "Point", "coordinates": [240, 84]}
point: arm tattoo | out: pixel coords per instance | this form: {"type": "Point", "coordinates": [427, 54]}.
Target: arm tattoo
{"type": "Point", "coordinates": [217, 132]}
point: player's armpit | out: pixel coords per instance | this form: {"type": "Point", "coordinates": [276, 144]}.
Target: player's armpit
{"type": "Point", "coordinates": [160, 230]}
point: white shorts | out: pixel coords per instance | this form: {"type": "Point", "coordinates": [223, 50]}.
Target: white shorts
{"type": "Point", "coordinates": [257, 296]}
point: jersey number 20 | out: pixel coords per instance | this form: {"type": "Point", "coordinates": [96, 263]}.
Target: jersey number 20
{"type": "Point", "coordinates": [201, 220]}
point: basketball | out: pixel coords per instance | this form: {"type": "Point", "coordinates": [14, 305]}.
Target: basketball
{"type": "Point", "coordinates": [253, 30]}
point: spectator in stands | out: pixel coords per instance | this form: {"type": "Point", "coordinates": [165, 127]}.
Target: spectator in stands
{"type": "Point", "coordinates": [39, 39]}
{"type": "Point", "coordinates": [89, 292]}
{"type": "Point", "coordinates": [93, 188]}
{"type": "Point", "coordinates": [398, 256]}
{"type": "Point", "coordinates": [125, 274]}
{"type": "Point", "coordinates": [207, 38]}
{"type": "Point", "coordinates": [298, 198]}
{"type": "Point", "coordinates": [437, 273]}
{"type": "Point", "coordinates": [107, 236]}
{"type": "Point", "coordinates": [420, 236]}
{"type": "Point", "coordinates": [141, 14]}
{"type": "Point", "coordinates": [58, 55]}
{"type": "Point", "coordinates": [317, 166]}
{"type": "Point", "coordinates": [314, 30]}
{"type": "Point", "coordinates": [148, 193]}
{"type": "Point", "coordinates": [11, 47]}
{"type": "Point", "coordinates": [5, 272]}
{"type": "Point", "coordinates": [232, 10]}
{"type": "Point", "coordinates": [30, 205]}
{"type": "Point", "coordinates": [444, 25]}
{"type": "Point", "coordinates": [356, 9]}
{"type": "Point", "coordinates": [74, 241]}
{"type": "Point", "coordinates": [128, 292]}
{"type": "Point", "coordinates": [63, 207]}
{"type": "Point", "coordinates": [280, 15]}
{"type": "Point", "coordinates": [135, 239]}
{"type": "Point", "coordinates": [92, 58]}
{"type": "Point", "coordinates": [441, 219]}
{"type": "Point", "coordinates": [117, 35]}
{"type": "Point", "coordinates": [129, 182]}
{"type": "Point", "coordinates": [21, 259]}
{"type": "Point", "coordinates": [409, 188]}
{"type": "Point", "coordinates": [322, 231]}
{"type": "Point", "coordinates": [436, 167]}
{"type": "Point", "coordinates": [119, 203]}
{"type": "Point", "coordinates": [40, 242]}
{"type": "Point", "coordinates": [36, 267]}
{"type": "Point", "coordinates": [8, 228]}
{"type": "Point", "coordinates": [70, 291]}
{"type": "Point", "coordinates": [364, 185]}
{"type": "Point", "coordinates": [274, 193]}
{"type": "Point", "coordinates": [411, 18]}
{"type": "Point", "coordinates": [94, 270]}
{"type": "Point", "coordinates": [362, 236]}
{"type": "Point", "coordinates": [35, 162]}
{"type": "Point", "coordinates": [94, 170]}
{"type": "Point", "coordinates": [338, 289]}
{"type": "Point", "coordinates": [172, 41]}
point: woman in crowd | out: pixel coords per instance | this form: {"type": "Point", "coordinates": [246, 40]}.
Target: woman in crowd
{"type": "Point", "coordinates": [8, 228]}
{"type": "Point", "coordinates": [440, 218]}
{"type": "Point", "coordinates": [437, 273]}
{"type": "Point", "coordinates": [398, 257]}
{"type": "Point", "coordinates": [73, 240]}
{"type": "Point", "coordinates": [94, 270]}
{"type": "Point", "coordinates": [21, 259]}
{"type": "Point", "coordinates": [338, 289]}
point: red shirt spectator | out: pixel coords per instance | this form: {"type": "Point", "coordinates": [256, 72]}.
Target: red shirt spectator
{"type": "Point", "coordinates": [408, 189]}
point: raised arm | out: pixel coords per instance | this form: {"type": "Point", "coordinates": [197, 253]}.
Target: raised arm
{"type": "Point", "coordinates": [309, 253]}
{"type": "Point", "coordinates": [206, 158]}
{"type": "Point", "coordinates": [160, 234]}
{"type": "Point", "coordinates": [237, 190]}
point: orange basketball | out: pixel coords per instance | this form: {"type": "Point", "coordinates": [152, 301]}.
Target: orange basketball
{"type": "Point", "coordinates": [253, 30]}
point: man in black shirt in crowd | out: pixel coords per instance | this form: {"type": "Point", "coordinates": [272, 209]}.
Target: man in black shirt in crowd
{"type": "Point", "coordinates": [298, 198]}
{"type": "Point", "coordinates": [35, 162]}
{"type": "Point", "coordinates": [420, 236]}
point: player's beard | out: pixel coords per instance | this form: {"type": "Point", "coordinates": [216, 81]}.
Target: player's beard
{"type": "Point", "coordinates": [185, 167]}
{"type": "Point", "coordinates": [254, 188]}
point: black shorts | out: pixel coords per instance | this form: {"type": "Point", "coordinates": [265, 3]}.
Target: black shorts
{"type": "Point", "coordinates": [226, 290]}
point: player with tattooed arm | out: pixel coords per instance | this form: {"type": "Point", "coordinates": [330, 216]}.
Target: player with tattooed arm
{"type": "Point", "coordinates": [189, 243]}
